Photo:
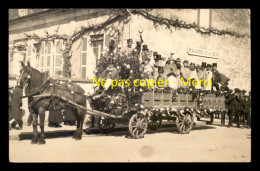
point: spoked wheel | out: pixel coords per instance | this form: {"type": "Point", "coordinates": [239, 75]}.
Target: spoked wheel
{"type": "Point", "coordinates": [105, 126]}
{"type": "Point", "coordinates": [154, 121]}
{"type": "Point", "coordinates": [138, 125]}
{"type": "Point", "coordinates": [184, 123]}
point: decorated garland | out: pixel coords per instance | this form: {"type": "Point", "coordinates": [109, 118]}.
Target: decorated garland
{"type": "Point", "coordinates": [181, 24]}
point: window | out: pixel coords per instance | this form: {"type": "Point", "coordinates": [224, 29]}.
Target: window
{"type": "Point", "coordinates": [84, 58]}
{"type": "Point", "coordinates": [58, 58]}
{"type": "Point", "coordinates": [97, 43]}
{"type": "Point", "coordinates": [51, 57]}
{"type": "Point", "coordinates": [204, 18]}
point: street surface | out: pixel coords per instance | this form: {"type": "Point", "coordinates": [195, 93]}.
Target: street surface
{"type": "Point", "coordinates": [205, 143]}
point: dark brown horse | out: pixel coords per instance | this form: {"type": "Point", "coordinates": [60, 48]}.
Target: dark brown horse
{"type": "Point", "coordinates": [47, 94]}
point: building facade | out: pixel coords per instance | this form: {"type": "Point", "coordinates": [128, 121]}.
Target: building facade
{"type": "Point", "coordinates": [41, 36]}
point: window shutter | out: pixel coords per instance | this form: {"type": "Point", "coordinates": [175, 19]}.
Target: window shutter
{"type": "Point", "coordinates": [84, 71]}
{"type": "Point", "coordinates": [107, 40]}
{"type": "Point", "coordinates": [84, 44]}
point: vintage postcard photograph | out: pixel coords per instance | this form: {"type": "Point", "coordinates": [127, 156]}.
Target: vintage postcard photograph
{"type": "Point", "coordinates": [113, 85]}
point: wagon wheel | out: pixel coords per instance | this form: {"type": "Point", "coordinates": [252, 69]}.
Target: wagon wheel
{"type": "Point", "coordinates": [104, 125]}
{"type": "Point", "coordinates": [154, 121]}
{"type": "Point", "coordinates": [184, 123]}
{"type": "Point", "coordinates": [138, 126]}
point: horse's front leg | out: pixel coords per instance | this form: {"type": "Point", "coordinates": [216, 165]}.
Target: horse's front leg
{"type": "Point", "coordinates": [35, 132]}
{"type": "Point", "coordinates": [42, 119]}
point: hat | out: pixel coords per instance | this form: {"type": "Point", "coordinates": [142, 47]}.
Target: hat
{"type": "Point", "coordinates": [230, 90]}
{"type": "Point", "coordinates": [170, 59]}
{"type": "Point", "coordinates": [145, 47]}
{"type": "Point", "coordinates": [158, 57]}
{"type": "Point", "coordinates": [138, 43]}
{"type": "Point", "coordinates": [178, 60]}
{"type": "Point", "coordinates": [214, 64]}
{"type": "Point", "coordinates": [185, 61]}
{"type": "Point", "coordinates": [155, 53]}
{"type": "Point", "coordinates": [198, 66]}
{"type": "Point", "coordinates": [129, 40]}
{"type": "Point", "coordinates": [172, 53]}
{"type": "Point", "coordinates": [208, 65]}
{"type": "Point", "coordinates": [204, 64]}
{"type": "Point", "coordinates": [160, 69]}
{"type": "Point", "coordinates": [192, 64]}
{"type": "Point", "coordinates": [243, 91]}
{"type": "Point", "coordinates": [237, 90]}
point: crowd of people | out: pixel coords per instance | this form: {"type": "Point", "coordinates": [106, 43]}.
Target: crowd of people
{"type": "Point", "coordinates": [153, 66]}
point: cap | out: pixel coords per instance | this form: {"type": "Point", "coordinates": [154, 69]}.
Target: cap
{"type": "Point", "coordinates": [185, 61]}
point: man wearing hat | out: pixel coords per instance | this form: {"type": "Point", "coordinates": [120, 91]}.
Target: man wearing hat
{"type": "Point", "coordinates": [128, 51]}
{"type": "Point", "coordinates": [160, 75]}
{"type": "Point", "coordinates": [227, 108]}
{"type": "Point", "coordinates": [215, 76]}
{"type": "Point", "coordinates": [185, 73]}
{"type": "Point", "coordinates": [138, 48]}
{"type": "Point", "coordinates": [170, 72]}
{"type": "Point", "coordinates": [158, 62]}
{"type": "Point", "coordinates": [193, 74]}
{"type": "Point", "coordinates": [146, 55]}
{"type": "Point", "coordinates": [208, 78]}
{"type": "Point", "coordinates": [178, 63]}
{"type": "Point", "coordinates": [154, 55]}
{"type": "Point", "coordinates": [170, 66]}
{"type": "Point", "coordinates": [200, 77]}
{"type": "Point", "coordinates": [234, 105]}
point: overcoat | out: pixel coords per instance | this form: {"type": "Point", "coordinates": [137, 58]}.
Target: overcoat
{"type": "Point", "coordinates": [69, 115]}
{"type": "Point", "coordinates": [55, 116]}
{"type": "Point", "coordinates": [16, 102]}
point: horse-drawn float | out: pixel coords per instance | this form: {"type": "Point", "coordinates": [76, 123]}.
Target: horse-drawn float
{"type": "Point", "coordinates": [140, 108]}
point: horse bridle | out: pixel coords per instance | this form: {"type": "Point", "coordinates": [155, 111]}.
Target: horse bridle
{"type": "Point", "coordinates": [23, 78]}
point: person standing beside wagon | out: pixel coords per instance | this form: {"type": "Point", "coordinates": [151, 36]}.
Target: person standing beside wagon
{"type": "Point", "coordinates": [185, 74]}
{"type": "Point", "coordinates": [234, 104]}
{"type": "Point", "coordinates": [208, 78]}
{"type": "Point", "coordinates": [16, 104]}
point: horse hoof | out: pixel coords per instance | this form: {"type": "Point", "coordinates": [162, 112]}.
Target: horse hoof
{"type": "Point", "coordinates": [34, 141]}
{"type": "Point", "coordinates": [78, 138]}
{"type": "Point", "coordinates": [42, 141]}
{"type": "Point", "coordinates": [75, 135]}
